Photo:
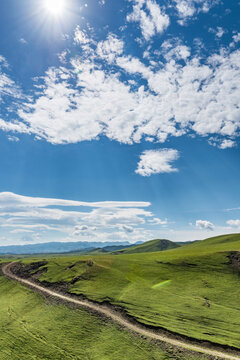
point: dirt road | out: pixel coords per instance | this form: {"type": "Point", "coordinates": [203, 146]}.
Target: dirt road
{"type": "Point", "coordinates": [118, 318]}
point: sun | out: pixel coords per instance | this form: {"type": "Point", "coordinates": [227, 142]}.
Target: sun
{"type": "Point", "coordinates": [54, 7]}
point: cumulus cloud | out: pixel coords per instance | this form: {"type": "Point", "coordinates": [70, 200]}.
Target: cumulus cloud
{"type": "Point", "coordinates": [234, 223]}
{"type": "Point", "coordinates": [23, 41]}
{"type": "Point", "coordinates": [129, 101]}
{"type": "Point", "coordinates": [157, 221]}
{"type": "Point", "coordinates": [227, 144]}
{"type": "Point", "coordinates": [87, 101]}
{"type": "Point", "coordinates": [219, 31]}
{"type": "Point", "coordinates": [157, 162]}
{"type": "Point", "coordinates": [204, 225]}
{"type": "Point", "coordinates": [186, 9]}
{"type": "Point", "coordinates": [84, 230]}
{"type": "Point", "coordinates": [110, 48]}
{"type": "Point", "coordinates": [177, 52]}
{"type": "Point", "coordinates": [236, 37]}
{"type": "Point", "coordinates": [222, 144]}
{"type": "Point", "coordinates": [127, 229]}
{"type": "Point", "coordinates": [150, 16]}
{"type": "Point", "coordinates": [80, 37]}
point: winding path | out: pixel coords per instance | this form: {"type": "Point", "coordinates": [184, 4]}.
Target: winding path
{"type": "Point", "coordinates": [118, 318]}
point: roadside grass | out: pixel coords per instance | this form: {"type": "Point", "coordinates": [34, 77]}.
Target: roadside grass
{"type": "Point", "coordinates": [199, 298]}
{"type": "Point", "coordinates": [35, 328]}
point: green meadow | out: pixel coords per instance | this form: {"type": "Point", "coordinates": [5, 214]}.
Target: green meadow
{"type": "Point", "coordinates": [191, 290]}
{"type": "Point", "coordinates": [35, 328]}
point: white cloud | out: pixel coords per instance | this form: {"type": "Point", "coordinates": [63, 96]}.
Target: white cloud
{"type": "Point", "coordinates": [89, 98]}
{"type": "Point", "coordinates": [236, 37]}
{"type": "Point", "coordinates": [204, 224]}
{"type": "Point", "coordinates": [63, 56]}
{"type": "Point", "coordinates": [13, 138]}
{"type": "Point", "coordinates": [127, 228]}
{"type": "Point", "coordinates": [84, 230]}
{"type": "Point", "coordinates": [157, 221]}
{"type": "Point", "coordinates": [222, 144]}
{"type": "Point", "coordinates": [9, 200]}
{"type": "Point", "coordinates": [175, 50]}
{"type": "Point", "coordinates": [23, 41]}
{"type": "Point", "coordinates": [46, 218]}
{"type": "Point", "coordinates": [21, 231]}
{"type": "Point", "coordinates": [110, 48]}
{"type": "Point", "coordinates": [180, 98]}
{"type": "Point", "coordinates": [227, 144]}
{"type": "Point", "coordinates": [80, 37]}
{"type": "Point", "coordinates": [116, 216]}
{"type": "Point", "coordinates": [234, 223]}
{"type": "Point", "coordinates": [186, 9]}
{"type": "Point", "coordinates": [219, 31]}
{"type": "Point", "coordinates": [157, 162]}
{"type": "Point", "coordinates": [3, 61]}
{"type": "Point", "coordinates": [7, 86]}
{"type": "Point", "coordinates": [151, 17]}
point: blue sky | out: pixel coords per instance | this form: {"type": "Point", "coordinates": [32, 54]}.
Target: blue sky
{"type": "Point", "coordinates": [119, 120]}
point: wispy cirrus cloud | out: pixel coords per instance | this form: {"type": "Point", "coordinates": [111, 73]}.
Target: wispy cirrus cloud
{"type": "Point", "coordinates": [8, 200]}
{"type": "Point", "coordinates": [45, 218]}
{"type": "Point", "coordinates": [7, 86]}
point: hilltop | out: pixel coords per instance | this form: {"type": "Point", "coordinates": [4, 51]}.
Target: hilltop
{"type": "Point", "coordinates": [149, 246]}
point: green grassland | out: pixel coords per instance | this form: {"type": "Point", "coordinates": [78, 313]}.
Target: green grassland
{"type": "Point", "coordinates": [35, 328]}
{"type": "Point", "coordinates": [191, 290]}
{"type": "Point", "coordinates": [149, 246]}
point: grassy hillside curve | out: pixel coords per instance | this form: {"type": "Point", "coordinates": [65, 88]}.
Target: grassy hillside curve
{"type": "Point", "coordinates": [35, 328]}
{"type": "Point", "coordinates": [149, 246]}
{"type": "Point", "coordinates": [191, 290]}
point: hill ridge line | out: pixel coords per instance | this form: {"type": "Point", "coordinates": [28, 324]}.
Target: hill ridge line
{"type": "Point", "coordinates": [116, 317]}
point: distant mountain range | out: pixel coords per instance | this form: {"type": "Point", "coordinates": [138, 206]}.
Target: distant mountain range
{"type": "Point", "coordinates": [60, 247]}
{"type": "Point", "coordinates": [88, 247]}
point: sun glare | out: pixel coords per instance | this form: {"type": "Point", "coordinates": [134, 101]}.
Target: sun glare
{"type": "Point", "coordinates": [54, 7]}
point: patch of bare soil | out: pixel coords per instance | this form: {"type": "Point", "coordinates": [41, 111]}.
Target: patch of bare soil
{"type": "Point", "coordinates": [30, 270]}
{"type": "Point", "coordinates": [234, 260]}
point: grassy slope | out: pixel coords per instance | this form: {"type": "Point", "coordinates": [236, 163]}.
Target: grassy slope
{"type": "Point", "coordinates": [194, 273]}
{"type": "Point", "coordinates": [32, 328]}
{"type": "Point", "coordinates": [150, 246]}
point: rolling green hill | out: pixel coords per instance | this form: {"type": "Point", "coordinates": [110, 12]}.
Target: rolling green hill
{"type": "Point", "coordinates": [192, 290]}
{"type": "Point", "coordinates": [149, 246]}
{"type": "Point", "coordinates": [106, 249]}
{"type": "Point", "coordinates": [35, 327]}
